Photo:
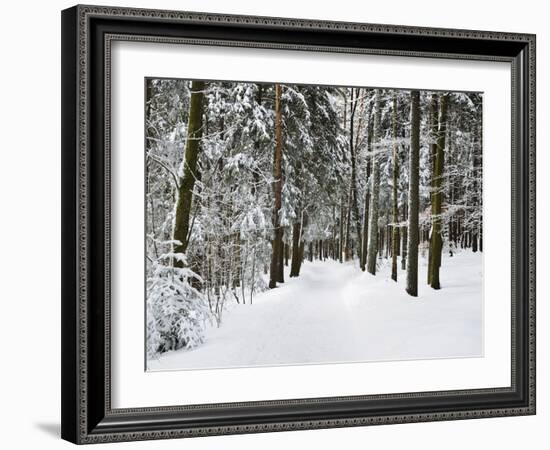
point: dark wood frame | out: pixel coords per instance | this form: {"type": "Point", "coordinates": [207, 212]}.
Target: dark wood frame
{"type": "Point", "coordinates": [87, 32]}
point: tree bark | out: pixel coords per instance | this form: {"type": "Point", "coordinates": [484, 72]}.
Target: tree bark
{"type": "Point", "coordinates": [374, 188]}
{"type": "Point", "coordinates": [353, 158]}
{"type": "Point", "coordinates": [436, 244]}
{"type": "Point", "coordinates": [287, 256]}
{"type": "Point", "coordinates": [297, 249]}
{"type": "Point", "coordinates": [404, 240]}
{"type": "Point", "coordinates": [341, 233]}
{"type": "Point", "coordinates": [347, 245]}
{"type": "Point", "coordinates": [434, 126]}
{"type": "Point", "coordinates": [413, 233]}
{"type": "Point", "coordinates": [187, 180]}
{"type": "Point", "coordinates": [281, 264]}
{"type": "Point", "coordinates": [274, 272]}
{"type": "Point", "coordinates": [367, 194]}
{"type": "Point", "coordinates": [395, 218]}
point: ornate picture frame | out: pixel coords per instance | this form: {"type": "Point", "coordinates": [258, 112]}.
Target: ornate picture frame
{"type": "Point", "coordinates": [87, 413]}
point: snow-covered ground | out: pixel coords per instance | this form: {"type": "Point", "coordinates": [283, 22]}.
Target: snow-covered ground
{"type": "Point", "coordinates": [336, 313]}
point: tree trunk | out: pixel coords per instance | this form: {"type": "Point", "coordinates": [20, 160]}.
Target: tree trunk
{"type": "Point", "coordinates": [353, 159]}
{"type": "Point", "coordinates": [434, 126]}
{"type": "Point", "coordinates": [287, 256]}
{"type": "Point", "coordinates": [347, 246]}
{"type": "Point", "coordinates": [238, 279]}
{"type": "Point", "coordinates": [389, 241]}
{"type": "Point", "coordinates": [481, 237]}
{"type": "Point", "coordinates": [404, 241]}
{"type": "Point", "coordinates": [341, 236]}
{"type": "Point", "coordinates": [383, 239]}
{"type": "Point", "coordinates": [365, 239]}
{"type": "Point", "coordinates": [374, 188]}
{"type": "Point", "coordinates": [436, 244]}
{"type": "Point", "coordinates": [297, 249]}
{"type": "Point", "coordinates": [281, 263]}
{"type": "Point", "coordinates": [413, 233]}
{"type": "Point", "coordinates": [395, 218]}
{"type": "Point", "coordinates": [333, 238]}
{"type": "Point", "coordinates": [274, 273]}
{"type": "Point", "coordinates": [187, 181]}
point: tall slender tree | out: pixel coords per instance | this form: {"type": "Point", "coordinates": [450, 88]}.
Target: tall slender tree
{"type": "Point", "coordinates": [297, 249]}
{"type": "Point", "coordinates": [436, 243]}
{"type": "Point", "coordinates": [395, 179]}
{"type": "Point", "coordinates": [413, 233]}
{"type": "Point", "coordinates": [404, 244]}
{"type": "Point", "coordinates": [372, 248]}
{"type": "Point", "coordinates": [364, 242]}
{"type": "Point", "coordinates": [277, 243]}
{"type": "Point", "coordinates": [341, 233]}
{"type": "Point", "coordinates": [189, 172]}
{"type": "Point", "coordinates": [354, 103]}
{"type": "Point", "coordinates": [433, 118]}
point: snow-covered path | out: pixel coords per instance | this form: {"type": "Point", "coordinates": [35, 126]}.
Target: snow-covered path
{"type": "Point", "coordinates": [336, 313]}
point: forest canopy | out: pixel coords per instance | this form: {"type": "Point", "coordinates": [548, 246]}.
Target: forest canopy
{"type": "Point", "coordinates": [247, 182]}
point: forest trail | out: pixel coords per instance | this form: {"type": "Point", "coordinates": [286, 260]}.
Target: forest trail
{"type": "Point", "coordinates": [335, 313]}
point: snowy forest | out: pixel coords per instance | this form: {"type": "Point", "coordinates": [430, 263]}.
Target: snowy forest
{"type": "Point", "coordinates": [290, 224]}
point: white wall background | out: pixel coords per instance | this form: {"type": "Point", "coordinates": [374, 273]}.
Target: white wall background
{"type": "Point", "coordinates": [30, 223]}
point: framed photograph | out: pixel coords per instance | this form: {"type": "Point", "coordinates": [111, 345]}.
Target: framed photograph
{"type": "Point", "coordinates": [279, 224]}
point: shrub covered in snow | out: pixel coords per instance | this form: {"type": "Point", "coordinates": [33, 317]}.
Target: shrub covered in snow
{"type": "Point", "coordinates": [176, 311]}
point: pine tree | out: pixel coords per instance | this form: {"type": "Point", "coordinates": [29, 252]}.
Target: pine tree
{"type": "Point", "coordinates": [434, 126]}
{"type": "Point", "coordinates": [277, 243]}
{"type": "Point", "coordinates": [437, 239]}
{"type": "Point", "coordinates": [354, 207]}
{"type": "Point", "coordinates": [187, 180]}
{"type": "Point", "coordinates": [395, 178]}
{"type": "Point", "coordinates": [413, 233]}
{"type": "Point", "coordinates": [404, 243]}
{"type": "Point", "coordinates": [297, 246]}
{"type": "Point", "coordinates": [374, 189]}
{"type": "Point", "coordinates": [366, 206]}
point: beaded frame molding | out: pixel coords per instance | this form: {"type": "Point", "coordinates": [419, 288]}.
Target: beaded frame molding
{"type": "Point", "coordinates": [87, 34]}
